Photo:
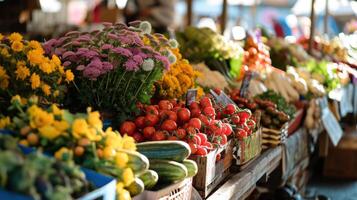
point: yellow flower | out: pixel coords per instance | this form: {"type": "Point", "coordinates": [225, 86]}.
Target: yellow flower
{"type": "Point", "coordinates": [61, 69]}
{"type": "Point", "coordinates": [46, 67]}
{"type": "Point", "coordinates": [56, 60]}
{"type": "Point", "coordinates": [61, 125]}
{"type": "Point", "coordinates": [15, 37]}
{"type": "Point", "coordinates": [121, 159]}
{"type": "Point", "coordinates": [15, 99]}
{"type": "Point", "coordinates": [4, 52]}
{"type": "Point", "coordinates": [124, 195]}
{"type": "Point", "coordinates": [79, 128]}
{"type": "Point", "coordinates": [129, 143]}
{"type": "Point", "coordinates": [1, 36]}
{"type": "Point", "coordinates": [69, 76]}
{"type": "Point", "coordinates": [49, 132]}
{"type": "Point", "coordinates": [119, 187]}
{"type": "Point", "coordinates": [56, 93]}
{"type": "Point", "coordinates": [146, 41]}
{"type": "Point", "coordinates": [200, 92]}
{"type": "Point", "coordinates": [94, 120]}
{"type": "Point", "coordinates": [35, 45]}
{"type": "Point", "coordinates": [62, 153]}
{"type": "Point", "coordinates": [46, 89]}
{"type": "Point", "coordinates": [35, 81]}
{"type": "Point", "coordinates": [128, 176]}
{"type": "Point", "coordinates": [108, 152]}
{"type": "Point", "coordinates": [22, 72]}
{"type": "Point", "coordinates": [56, 110]}
{"type": "Point", "coordinates": [4, 84]}
{"type": "Point", "coordinates": [17, 46]}
{"type": "Point", "coordinates": [5, 121]}
{"type": "Point", "coordinates": [3, 74]}
{"type": "Point", "coordinates": [39, 118]}
{"type": "Point", "coordinates": [35, 57]}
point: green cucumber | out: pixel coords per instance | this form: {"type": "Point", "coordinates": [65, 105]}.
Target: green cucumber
{"type": "Point", "coordinates": [165, 150]}
{"type": "Point", "coordinates": [137, 162]}
{"type": "Point", "coordinates": [136, 187]}
{"type": "Point", "coordinates": [168, 170]}
{"type": "Point", "coordinates": [191, 166]}
{"type": "Point", "coordinates": [150, 178]}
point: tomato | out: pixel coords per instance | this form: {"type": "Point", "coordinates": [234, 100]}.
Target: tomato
{"type": "Point", "coordinates": [208, 145]}
{"type": "Point", "coordinates": [194, 105]}
{"type": "Point", "coordinates": [203, 137]}
{"type": "Point", "coordinates": [159, 135]}
{"type": "Point", "coordinates": [209, 112]}
{"type": "Point", "coordinates": [223, 139]}
{"type": "Point", "coordinates": [191, 130]}
{"type": "Point", "coordinates": [217, 91]}
{"type": "Point", "coordinates": [173, 102]}
{"type": "Point", "coordinates": [195, 139]}
{"type": "Point", "coordinates": [138, 137]}
{"type": "Point", "coordinates": [139, 105]}
{"type": "Point", "coordinates": [229, 109]}
{"type": "Point", "coordinates": [151, 120]}
{"type": "Point", "coordinates": [148, 131]}
{"type": "Point", "coordinates": [205, 102]}
{"type": "Point", "coordinates": [251, 124]}
{"type": "Point", "coordinates": [195, 112]}
{"type": "Point", "coordinates": [169, 125]}
{"type": "Point", "coordinates": [216, 127]}
{"type": "Point", "coordinates": [227, 129]}
{"type": "Point", "coordinates": [241, 133]}
{"type": "Point", "coordinates": [181, 133]}
{"type": "Point", "coordinates": [128, 128]}
{"type": "Point", "coordinates": [201, 151]}
{"type": "Point", "coordinates": [204, 119]}
{"type": "Point", "coordinates": [151, 110]}
{"type": "Point", "coordinates": [244, 114]}
{"type": "Point", "coordinates": [165, 105]}
{"type": "Point", "coordinates": [172, 137]}
{"type": "Point", "coordinates": [195, 122]}
{"type": "Point", "coordinates": [220, 139]}
{"type": "Point", "coordinates": [168, 114]}
{"type": "Point", "coordinates": [218, 157]}
{"type": "Point", "coordinates": [235, 119]}
{"type": "Point", "coordinates": [193, 147]}
{"type": "Point", "coordinates": [183, 114]}
{"type": "Point", "coordinates": [140, 122]}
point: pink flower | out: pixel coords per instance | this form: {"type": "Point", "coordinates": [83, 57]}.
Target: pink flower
{"type": "Point", "coordinates": [91, 73]}
{"type": "Point", "coordinates": [113, 36]}
{"type": "Point", "coordinates": [106, 46]}
{"type": "Point", "coordinates": [122, 51]}
{"type": "Point", "coordinates": [68, 53]}
{"type": "Point", "coordinates": [138, 59]}
{"type": "Point", "coordinates": [66, 63]}
{"type": "Point", "coordinates": [107, 66]}
{"type": "Point", "coordinates": [80, 67]}
{"type": "Point", "coordinates": [164, 61]}
{"type": "Point", "coordinates": [131, 65]}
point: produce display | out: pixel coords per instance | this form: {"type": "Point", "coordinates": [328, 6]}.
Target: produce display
{"type": "Point", "coordinates": [256, 55]}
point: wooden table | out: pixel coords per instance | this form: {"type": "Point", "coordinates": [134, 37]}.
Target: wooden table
{"type": "Point", "coordinates": [242, 183]}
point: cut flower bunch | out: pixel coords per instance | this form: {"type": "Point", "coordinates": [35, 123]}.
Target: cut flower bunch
{"type": "Point", "coordinates": [81, 135]}
{"type": "Point", "coordinates": [25, 70]}
{"type": "Point", "coordinates": [115, 67]}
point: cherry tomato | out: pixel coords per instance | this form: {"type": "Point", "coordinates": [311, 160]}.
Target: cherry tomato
{"type": "Point", "coordinates": [201, 151]}
{"type": "Point", "coordinates": [181, 133]}
{"type": "Point", "coordinates": [138, 137]}
{"type": "Point", "coordinates": [204, 120]}
{"type": "Point", "coordinates": [183, 114]}
{"type": "Point", "coordinates": [244, 114]}
{"type": "Point", "coordinates": [194, 105]}
{"type": "Point", "coordinates": [140, 122]}
{"type": "Point", "coordinates": [195, 139]}
{"type": "Point", "coordinates": [203, 137]}
{"type": "Point", "coordinates": [195, 122]}
{"type": "Point", "coordinates": [205, 102]}
{"type": "Point", "coordinates": [251, 124]}
{"type": "Point", "coordinates": [148, 131]}
{"type": "Point", "coordinates": [151, 120]}
{"type": "Point", "coordinates": [159, 135]}
{"type": "Point", "coordinates": [165, 105]}
{"type": "Point", "coordinates": [218, 157]}
{"type": "Point", "coordinates": [227, 129]}
{"type": "Point", "coordinates": [128, 128]}
{"type": "Point", "coordinates": [217, 91]}
{"type": "Point", "coordinates": [220, 139]}
{"type": "Point", "coordinates": [173, 102]}
{"type": "Point", "coordinates": [169, 125]}
{"type": "Point", "coordinates": [241, 134]}
{"type": "Point", "coordinates": [208, 145]}
{"type": "Point", "coordinates": [229, 109]}
{"type": "Point", "coordinates": [209, 111]}
{"type": "Point", "coordinates": [151, 110]}
{"type": "Point", "coordinates": [216, 127]}
{"type": "Point", "coordinates": [172, 138]}
{"type": "Point", "coordinates": [235, 119]}
{"type": "Point", "coordinates": [195, 112]}
{"type": "Point", "coordinates": [191, 130]}
{"type": "Point", "coordinates": [193, 147]}
{"type": "Point", "coordinates": [168, 114]}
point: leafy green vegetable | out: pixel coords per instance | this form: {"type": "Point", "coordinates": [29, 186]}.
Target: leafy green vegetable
{"type": "Point", "coordinates": [279, 101]}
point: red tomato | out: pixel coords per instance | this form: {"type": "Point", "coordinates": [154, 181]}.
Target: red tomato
{"type": "Point", "coordinates": [168, 114]}
{"type": "Point", "coordinates": [148, 132]}
{"type": "Point", "coordinates": [251, 124]}
{"type": "Point", "coordinates": [216, 127]}
{"type": "Point", "coordinates": [203, 137]}
{"type": "Point", "coordinates": [159, 135]}
{"type": "Point", "coordinates": [151, 110]}
{"type": "Point", "coordinates": [223, 139]}
{"type": "Point", "coordinates": [128, 128]}
{"type": "Point", "coordinates": [194, 105]}
{"type": "Point", "coordinates": [208, 145]}
{"type": "Point", "coordinates": [201, 151]}
{"type": "Point", "coordinates": [195, 122]}
{"type": "Point", "coordinates": [165, 105]}
{"type": "Point", "coordinates": [218, 157]}
{"type": "Point", "coordinates": [191, 130]}
{"type": "Point", "coordinates": [204, 120]}
{"type": "Point", "coordinates": [244, 114]}
{"type": "Point", "coordinates": [227, 129]}
{"type": "Point", "coordinates": [195, 112]}
{"type": "Point", "coordinates": [169, 125]}
{"type": "Point", "coordinates": [183, 114]}
{"type": "Point", "coordinates": [181, 133]}
{"type": "Point", "coordinates": [193, 147]}
{"type": "Point", "coordinates": [173, 102]}
{"type": "Point", "coordinates": [220, 139]}
{"type": "Point", "coordinates": [241, 134]}
{"type": "Point", "coordinates": [195, 139]}
{"type": "Point", "coordinates": [235, 119]}
{"type": "Point", "coordinates": [140, 122]}
{"type": "Point", "coordinates": [151, 120]}
{"type": "Point", "coordinates": [209, 111]}
{"type": "Point", "coordinates": [229, 109]}
{"type": "Point", "coordinates": [205, 102]}
{"type": "Point", "coordinates": [217, 91]}
{"type": "Point", "coordinates": [172, 137]}
{"type": "Point", "coordinates": [138, 137]}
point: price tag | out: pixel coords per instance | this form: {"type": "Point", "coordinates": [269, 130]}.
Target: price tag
{"type": "Point", "coordinates": [222, 98]}
{"type": "Point", "coordinates": [191, 96]}
{"type": "Point", "coordinates": [243, 92]}
{"type": "Point", "coordinates": [346, 100]}
{"type": "Point", "coordinates": [330, 123]}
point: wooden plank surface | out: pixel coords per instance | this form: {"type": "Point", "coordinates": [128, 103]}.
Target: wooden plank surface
{"type": "Point", "coordinates": [241, 183]}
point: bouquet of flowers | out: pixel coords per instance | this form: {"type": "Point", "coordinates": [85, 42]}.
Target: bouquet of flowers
{"type": "Point", "coordinates": [115, 67]}
{"type": "Point", "coordinates": [176, 81]}
{"type": "Point", "coordinates": [25, 70]}
{"type": "Point", "coordinates": [79, 135]}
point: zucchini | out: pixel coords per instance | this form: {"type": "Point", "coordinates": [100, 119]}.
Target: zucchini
{"type": "Point", "coordinates": [150, 178]}
{"type": "Point", "coordinates": [168, 170]}
{"type": "Point", "coordinates": [165, 150]}
{"type": "Point", "coordinates": [136, 187]}
{"type": "Point", "coordinates": [137, 162]}
{"type": "Point", "coordinates": [191, 166]}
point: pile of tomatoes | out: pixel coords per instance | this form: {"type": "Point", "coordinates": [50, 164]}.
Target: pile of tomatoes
{"type": "Point", "coordinates": [197, 125]}
{"type": "Point", "coordinates": [256, 54]}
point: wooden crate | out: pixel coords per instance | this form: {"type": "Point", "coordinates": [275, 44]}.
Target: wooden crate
{"type": "Point", "coordinates": [212, 172]}
{"type": "Point", "coordinates": [247, 149]}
